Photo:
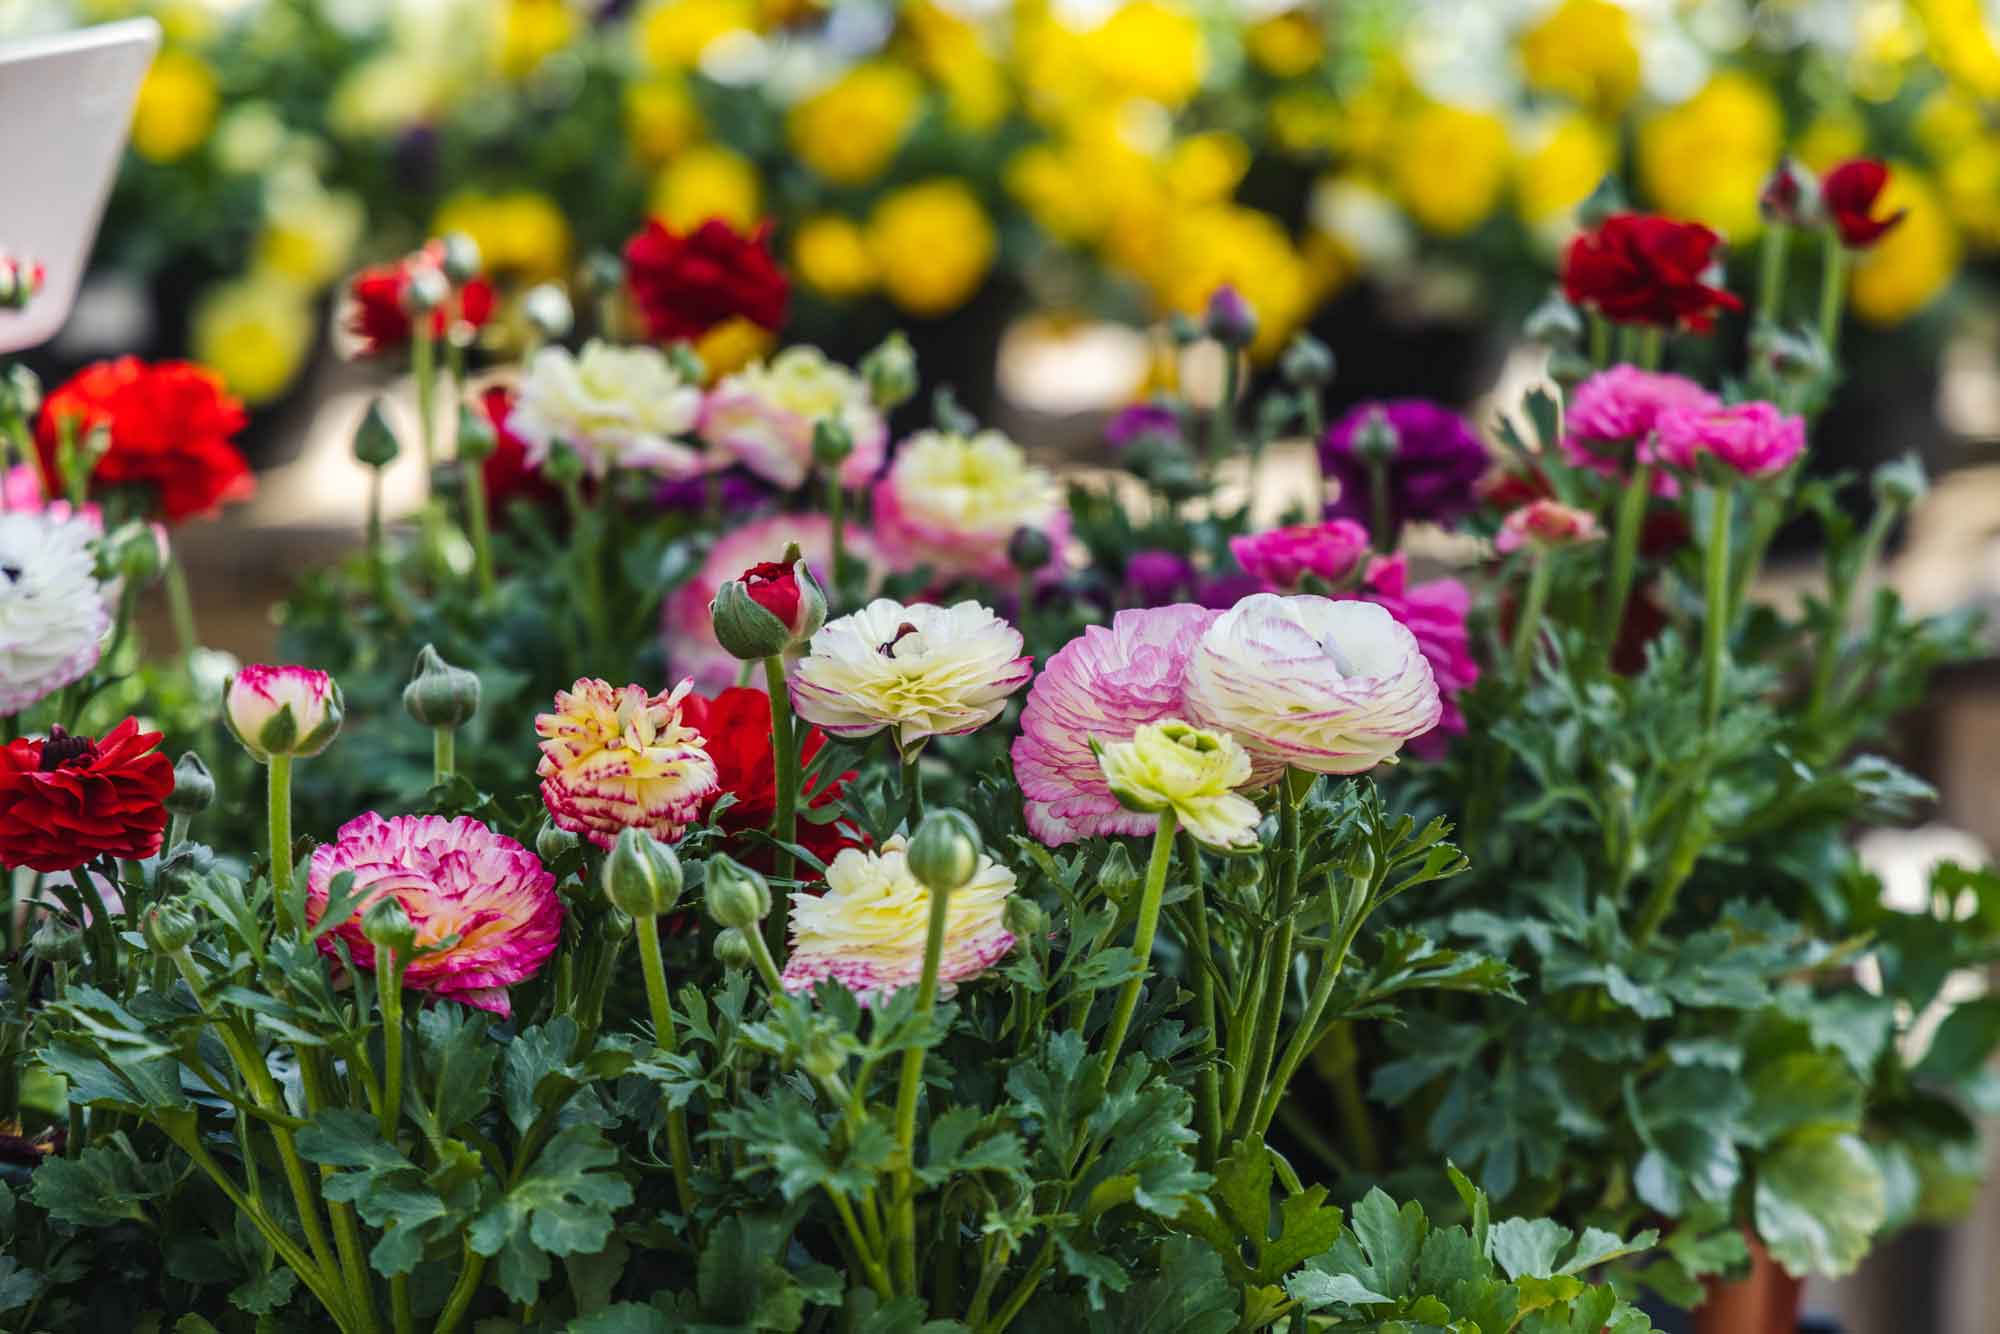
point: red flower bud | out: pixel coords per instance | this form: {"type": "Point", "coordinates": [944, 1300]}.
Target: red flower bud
{"type": "Point", "coordinates": [1850, 191]}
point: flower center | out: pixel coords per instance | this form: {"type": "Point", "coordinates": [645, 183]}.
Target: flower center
{"type": "Point", "coordinates": [63, 750]}
{"type": "Point", "coordinates": [903, 631]}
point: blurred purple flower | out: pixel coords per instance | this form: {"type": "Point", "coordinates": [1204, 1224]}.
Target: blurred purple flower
{"type": "Point", "coordinates": [1225, 591]}
{"type": "Point", "coordinates": [1154, 578]}
{"type": "Point", "coordinates": [1438, 461]}
{"type": "Point", "coordinates": [1142, 419]}
{"type": "Point", "coordinates": [740, 493]}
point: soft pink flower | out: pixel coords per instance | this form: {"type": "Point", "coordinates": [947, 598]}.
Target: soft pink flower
{"type": "Point", "coordinates": [1282, 557]}
{"type": "Point", "coordinates": [1547, 523]}
{"type": "Point", "coordinates": [21, 489]}
{"type": "Point", "coordinates": [1613, 415]}
{"type": "Point", "coordinates": [1755, 439]}
{"type": "Point", "coordinates": [461, 883]}
{"type": "Point", "coordinates": [622, 758]}
{"type": "Point", "coordinates": [763, 415]}
{"type": "Point", "coordinates": [1104, 684]}
{"type": "Point", "coordinates": [1435, 613]}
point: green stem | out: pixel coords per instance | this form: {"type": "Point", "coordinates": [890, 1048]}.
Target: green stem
{"type": "Point", "coordinates": [589, 569]}
{"type": "Point", "coordinates": [103, 939]}
{"type": "Point", "coordinates": [836, 513]}
{"type": "Point", "coordinates": [655, 972]}
{"type": "Point", "coordinates": [1840, 603]}
{"type": "Point", "coordinates": [1222, 422]}
{"type": "Point", "coordinates": [1627, 527]}
{"type": "Point", "coordinates": [279, 794]}
{"type": "Point", "coordinates": [389, 995]}
{"type": "Point", "coordinates": [913, 790]}
{"type": "Point", "coordinates": [785, 819]}
{"type": "Point", "coordinates": [910, 1083]}
{"type": "Point", "coordinates": [180, 609]}
{"type": "Point", "coordinates": [1832, 290]}
{"type": "Point", "coordinates": [1528, 632]}
{"type": "Point", "coordinates": [1715, 623]}
{"type": "Point", "coordinates": [444, 754]}
{"type": "Point", "coordinates": [1381, 514]}
{"type": "Point", "coordinates": [1277, 964]}
{"type": "Point", "coordinates": [473, 473]}
{"type": "Point", "coordinates": [1600, 341]}
{"type": "Point", "coordinates": [378, 558]}
{"type": "Point", "coordinates": [1771, 273]}
{"type": "Point", "coordinates": [1300, 1045]}
{"type": "Point", "coordinates": [1142, 938]}
{"type": "Point", "coordinates": [423, 369]}
{"type": "Point", "coordinates": [346, 1232]}
{"type": "Point", "coordinates": [462, 1292]}
{"type": "Point", "coordinates": [1208, 1087]}
{"type": "Point", "coordinates": [1651, 343]}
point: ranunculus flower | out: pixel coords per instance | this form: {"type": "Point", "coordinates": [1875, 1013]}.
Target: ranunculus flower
{"type": "Point", "coordinates": [1156, 577]}
{"type": "Point", "coordinates": [1131, 422]}
{"type": "Point", "coordinates": [459, 882]}
{"type": "Point", "coordinates": [1103, 685]}
{"type": "Point", "coordinates": [1613, 416]}
{"type": "Point", "coordinates": [53, 615]}
{"type": "Point", "coordinates": [1509, 487]}
{"type": "Point", "coordinates": [1305, 682]}
{"type": "Point", "coordinates": [867, 930]}
{"type": "Point", "coordinates": [920, 670]}
{"type": "Point", "coordinates": [763, 416]}
{"type": "Point", "coordinates": [773, 608]}
{"type": "Point", "coordinates": [1171, 766]}
{"type": "Point", "coordinates": [282, 711]}
{"type": "Point", "coordinates": [1435, 612]}
{"type": "Point", "coordinates": [170, 426]}
{"type": "Point", "coordinates": [1547, 524]}
{"type": "Point", "coordinates": [68, 800]}
{"type": "Point", "coordinates": [1328, 551]}
{"type": "Point", "coordinates": [1437, 466]}
{"type": "Point", "coordinates": [736, 728]}
{"type": "Point", "coordinates": [375, 315]}
{"type": "Point", "coordinates": [686, 285]}
{"type": "Point", "coordinates": [1635, 268]}
{"type": "Point", "coordinates": [506, 470]}
{"type": "Point", "coordinates": [952, 503]}
{"type": "Point", "coordinates": [617, 407]}
{"type": "Point", "coordinates": [617, 758]}
{"type": "Point", "coordinates": [1850, 192]}
{"type": "Point", "coordinates": [1754, 439]}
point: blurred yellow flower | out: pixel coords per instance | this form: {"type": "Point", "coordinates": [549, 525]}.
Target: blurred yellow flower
{"type": "Point", "coordinates": [707, 181]}
{"type": "Point", "coordinates": [1204, 168]}
{"type": "Point", "coordinates": [1584, 50]}
{"type": "Point", "coordinates": [521, 233]}
{"type": "Point", "coordinates": [849, 131]}
{"type": "Point", "coordinates": [176, 107]}
{"type": "Point", "coordinates": [661, 118]}
{"type": "Point", "coordinates": [255, 331]}
{"type": "Point", "coordinates": [1286, 44]}
{"type": "Point", "coordinates": [1227, 243]}
{"type": "Point", "coordinates": [933, 244]}
{"type": "Point", "coordinates": [1915, 261]}
{"type": "Point", "coordinates": [1970, 179]}
{"type": "Point", "coordinates": [309, 232]}
{"type": "Point", "coordinates": [957, 57]}
{"type": "Point", "coordinates": [386, 94]}
{"type": "Point", "coordinates": [1830, 140]}
{"type": "Point", "coordinates": [1707, 158]}
{"type": "Point", "coordinates": [673, 34]}
{"type": "Point", "coordinates": [1307, 123]}
{"type": "Point", "coordinates": [530, 32]}
{"type": "Point", "coordinates": [1965, 43]}
{"type": "Point", "coordinates": [1149, 49]}
{"type": "Point", "coordinates": [831, 255]}
{"type": "Point", "coordinates": [732, 345]}
{"type": "Point", "coordinates": [1563, 163]}
{"type": "Point", "coordinates": [1450, 167]}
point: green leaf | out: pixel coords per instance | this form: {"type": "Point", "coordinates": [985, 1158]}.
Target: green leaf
{"type": "Point", "coordinates": [1237, 1210]}
{"type": "Point", "coordinates": [1801, 1090]}
{"type": "Point", "coordinates": [1315, 1290]}
{"type": "Point", "coordinates": [562, 1206]}
{"type": "Point", "coordinates": [1393, 1237]}
{"type": "Point", "coordinates": [18, 1286]}
{"type": "Point", "coordinates": [101, 1186]}
{"type": "Point", "coordinates": [1185, 1292]}
{"type": "Point", "coordinates": [1963, 1042]}
{"type": "Point", "coordinates": [266, 1293]}
{"type": "Point", "coordinates": [1819, 1201]}
{"type": "Point", "coordinates": [1527, 1248]}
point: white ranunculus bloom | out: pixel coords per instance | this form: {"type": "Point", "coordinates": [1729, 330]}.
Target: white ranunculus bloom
{"type": "Point", "coordinates": [617, 407]}
{"type": "Point", "coordinates": [763, 415]}
{"type": "Point", "coordinates": [52, 609]}
{"type": "Point", "coordinates": [1330, 687]}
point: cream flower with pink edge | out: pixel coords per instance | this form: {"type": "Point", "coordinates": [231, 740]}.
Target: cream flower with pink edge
{"type": "Point", "coordinates": [763, 416]}
{"type": "Point", "coordinates": [952, 503]}
{"type": "Point", "coordinates": [617, 407]}
{"type": "Point", "coordinates": [620, 758]}
{"type": "Point", "coordinates": [867, 930]}
{"type": "Point", "coordinates": [1304, 682]}
{"type": "Point", "coordinates": [485, 911]}
{"type": "Point", "coordinates": [292, 711]}
{"type": "Point", "coordinates": [1103, 685]}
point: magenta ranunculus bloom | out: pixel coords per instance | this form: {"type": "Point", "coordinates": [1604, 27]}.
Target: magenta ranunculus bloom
{"type": "Point", "coordinates": [1283, 557]}
{"type": "Point", "coordinates": [456, 879]}
{"type": "Point", "coordinates": [1754, 439]}
{"type": "Point", "coordinates": [1439, 461]}
{"type": "Point", "coordinates": [1104, 684]}
{"type": "Point", "coordinates": [1435, 613]}
{"type": "Point", "coordinates": [1139, 419]}
{"type": "Point", "coordinates": [1613, 416]}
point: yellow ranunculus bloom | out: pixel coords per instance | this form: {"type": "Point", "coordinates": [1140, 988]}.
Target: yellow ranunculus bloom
{"type": "Point", "coordinates": [176, 107]}
{"type": "Point", "coordinates": [707, 181]}
{"type": "Point", "coordinates": [732, 345]}
{"type": "Point", "coordinates": [673, 34]}
{"type": "Point", "coordinates": [1566, 160]}
{"type": "Point", "coordinates": [831, 254]}
{"type": "Point", "coordinates": [1707, 158]}
{"type": "Point", "coordinates": [1965, 42]}
{"type": "Point", "coordinates": [1287, 44]}
{"type": "Point", "coordinates": [521, 233]}
{"type": "Point", "coordinates": [1205, 168]}
{"type": "Point", "coordinates": [1915, 261]}
{"type": "Point", "coordinates": [1450, 167]}
{"type": "Point", "coordinates": [849, 131]}
{"type": "Point", "coordinates": [1584, 50]}
{"type": "Point", "coordinates": [1970, 179]}
{"type": "Point", "coordinates": [530, 32]}
{"type": "Point", "coordinates": [661, 118]}
{"type": "Point", "coordinates": [255, 331]}
{"type": "Point", "coordinates": [1830, 140]}
{"type": "Point", "coordinates": [957, 57]}
{"type": "Point", "coordinates": [309, 232]}
{"type": "Point", "coordinates": [1228, 243]}
{"type": "Point", "coordinates": [1174, 766]}
{"type": "Point", "coordinates": [1149, 49]}
{"type": "Point", "coordinates": [933, 244]}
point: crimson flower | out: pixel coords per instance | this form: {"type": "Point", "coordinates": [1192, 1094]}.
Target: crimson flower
{"type": "Point", "coordinates": [375, 313]}
{"type": "Point", "coordinates": [506, 470]}
{"type": "Point", "coordinates": [1850, 192]}
{"type": "Point", "coordinates": [169, 425]}
{"type": "Point", "coordinates": [736, 724]}
{"type": "Point", "coordinates": [69, 799]}
{"type": "Point", "coordinates": [686, 285]}
{"type": "Point", "coordinates": [1635, 268]}
{"type": "Point", "coordinates": [774, 586]}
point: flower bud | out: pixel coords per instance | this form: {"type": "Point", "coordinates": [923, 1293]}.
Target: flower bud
{"type": "Point", "coordinates": [135, 553]}
{"type": "Point", "coordinates": [1601, 203]}
{"type": "Point", "coordinates": [1789, 357]}
{"type": "Point", "coordinates": [1275, 414]}
{"type": "Point", "coordinates": [282, 711]}
{"type": "Point", "coordinates": [1900, 483]}
{"type": "Point", "coordinates": [687, 363]}
{"type": "Point", "coordinates": [425, 288]}
{"type": "Point", "coordinates": [732, 948]}
{"type": "Point", "coordinates": [617, 924]}
{"type": "Point", "coordinates": [20, 391]}
{"type": "Point", "coordinates": [56, 941]}
{"type": "Point", "coordinates": [1029, 549]}
{"type": "Point", "coordinates": [1229, 319]}
{"type": "Point", "coordinates": [169, 928]}
{"type": "Point", "coordinates": [1118, 877]}
{"type": "Point", "coordinates": [546, 308]}
{"type": "Point", "coordinates": [387, 925]}
{"type": "Point", "coordinates": [439, 694]}
{"type": "Point", "coordinates": [944, 852]}
{"type": "Point", "coordinates": [476, 437]}
{"type": "Point", "coordinates": [774, 607]}
{"type": "Point", "coordinates": [1183, 329]}
{"type": "Point", "coordinates": [20, 279]}
{"type": "Point", "coordinates": [1024, 918]}
{"type": "Point", "coordinates": [832, 442]}
{"type": "Point", "coordinates": [185, 867]}
{"type": "Point", "coordinates": [1555, 322]}
{"type": "Point", "coordinates": [1307, 363]}
{"type": "Point", "coordinates": [1569, 367]}
{"type": "Point", "coordinates": [736, 895]}
{"type": "Point", "coordinates": [1791, 195]}
{"type": "Point", "coordinates": [890, 372]}
{"type": "Point", "coordinates": [642, 876]}
{"type": "Point", "coordinates": [1376, 440]}
{"type": "Point", "coordinates": [822, 1058]}
{"type": "Point", "coordinates": [563, 467]}
{"type": "Point", "coordinates": [461, 257]}
{"type": "Point", "coordinates": [194, 787]}
{"type": "Point", "coordinates": [375, 443]}
{"type": "Point", "coordinates": [604, 272]}
{"type": "Point", "coordinates": [554, 842]}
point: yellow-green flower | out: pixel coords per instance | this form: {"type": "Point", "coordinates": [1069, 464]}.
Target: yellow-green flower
{"type": "Point", "coordinates": [1172, 766]}
{"type": "Point", "coordinates": [1450, 167]}
{"type": "Point", "coordinates": [707, 181]}
{"type": "Point", "coordinates": [831, 254]}
{"type": "Point", "coordinates": [933, 245]}
{"type": "Point", "coordinates": [255, 332]}
{"type": "Point", "coordinates": [176, 107]}
{"type": "Point", "coordinates": [849, 131]}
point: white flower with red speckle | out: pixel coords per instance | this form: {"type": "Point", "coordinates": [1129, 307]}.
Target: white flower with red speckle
{"type": "Point", "coordinates": [617, 758]}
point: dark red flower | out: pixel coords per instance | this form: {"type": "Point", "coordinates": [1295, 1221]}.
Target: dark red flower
{"type": "Point", "coordinates": [1508, 488]}
{"type": "Point", "coordinates": [69, 800]}
{"type": "Point", "coordinates": [686, 285]}
{"type": "Point", "coordinates": [506, 469]}
{"type": "Point", "coordinates": [1850, 192]}
{"type": "Point", "coordinates": [1634, 268]}
{"type": "Point", "coordinates": [774, 586]}
{"type": "Point", "coordinates": [375, 314]}
{"type": "Point", "coordinates": [1664, 531]}
{"type": "Point", "coordinates": [170, 426]}
{"type": "Point", "coordinates": [736, 724]}
{"type": "Point", "coordinates": [1645, 617]}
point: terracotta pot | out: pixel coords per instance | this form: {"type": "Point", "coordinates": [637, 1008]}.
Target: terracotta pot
{"type": "Point", "coordinates": [1767, 1301]}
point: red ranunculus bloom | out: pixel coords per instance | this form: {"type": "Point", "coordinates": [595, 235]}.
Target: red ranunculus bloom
{"type": "Point", "coordinates": [686, 285]}
{"type": "Point", "coordinates": [736, 725]}
{"type": "Point", "coordinates": [69, 800]}
{"type": "Point", "coordinates": [1638, 269]}
{"type": "Point", "coordinates": [1850, 192]}
{"type": "Point", "coordinates": [375, 314]}
{"type": "Point", "coordinates": [170, 426]}
{"type": "Point", "coordinates": [506, 469]}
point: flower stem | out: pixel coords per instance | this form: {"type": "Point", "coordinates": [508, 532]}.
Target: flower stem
{"type": "Point", "coordinates": [1630, 522]}
{"type": "Point", "coordinates": [1381, 514]}
{"type": "Point", "coordinates": [1222, 422]}
{"type": "Point", "coordinates": [279, 793]}
{"type": "Point", "coordinates": [1208, 1088]}
{"type": "Point", "coordinates": [1277, 965]}
{"type": "Point", "coordinates": [836, 514]}
{"type": "Point", "coordinates": [1302, 1040]}
{"type": "Point", "coordinates": [473, 474]}
{"type": "Point", "coordinates": [1840, 600]}
{"type": "Point", "coordinates": [1771, 273]}
{"type": "Point", "coordinates": [103, 940]}
{"type": "Point", "coordinates": [655, 971]}
{"type": "Point", "coordinates": [913, 790]}
{"type": "Point", "coordinates": [1529, 631]}
{"type": "Point", "coordinates": [1142, 938]}
{"type": "Point", "coordinates": [462, 1292]}
{"type": "Point", "coordinates": [1600, 340]}
{"type": "Point", "coordinates": [785, 819]}
{"type": "Point", "coordinates": [389, 995]}
{"type": "Point", "coordinates": [910, 1083]}
{"type": "Point", "coordinates": [423, 369]}
{"type": "Point", "coordinates": [444, 754]}
{"type": "Point", "coordinates": [1715, 625]}
{"type": "Point", "coordinates": [180, 609]}
{"type": "Point", "coordinates": [346, 1233]}
{"type": "Point", "coordinates": [378, 559]}
{"type": "Point", "coordinates": [1832, 291]}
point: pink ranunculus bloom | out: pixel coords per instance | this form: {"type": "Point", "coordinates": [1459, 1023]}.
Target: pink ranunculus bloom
{"type": "Point", "coordinates": [1547, 523]}
{"type": "Point", "coordinates": [1104, 684]}
{"type": "Point", "coordinates": [459, 882]}
{"type": "Point", "coordinates": [687, 630]}
{"type": "Point", "coordinates": [1435, 613]}
{"type": "Point", "coordinates": [762, 416]}
{"type": "Point", "coordinates": [1613, 416]}
{"type": "Point", "coordinates": [1754, 439]}
{"type": "Point", "coordinates": [1282, 557]}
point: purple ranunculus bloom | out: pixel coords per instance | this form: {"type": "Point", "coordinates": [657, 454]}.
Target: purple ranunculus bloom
{"type": "Point", "coordinates": [740, 493]}
{"type": "Point", "coordinates": [1139, 419]}
{"type": "Point", "coordinates": [1155, 577]}
{"type": "Point", "coordinates": [1226, 590]}
{"type": "Point", "coordinates": [1439, 459]}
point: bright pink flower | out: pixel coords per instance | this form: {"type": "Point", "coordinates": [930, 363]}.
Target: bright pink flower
{"type": "Point", "coordinates": [460, 883]}
{"type": "Point", "coordinates": [1547, 523]}
{"type": "Point", "coordinates": [1755, 439]}
{"type": "Point", "coordinates": [1283, 557]}
{"type": "Point", "coordinates": [1613, 415]}
{"type": "Point", "coordinates": [1105, 684]}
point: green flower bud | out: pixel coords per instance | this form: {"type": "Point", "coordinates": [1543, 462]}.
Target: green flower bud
{"type": "Point", "coordinates": [476, 437]}
{"type": "Point", "coordinates": [461, 257]}
{"type": "Point", "coordinates": [732, 948]}
{"type": "Point", "coordinates": [687, 363]}
{"type": "Point", "coordinates": [439, 694]}
{"type": "Point", "coordinates": [185, 867]}
{"type": "Point", "coordinates": [642, 876]}
{"type": "Point", "coordinates": [135, 553]}
{"type": "Point", "coordinates": [1376, 441]}
{"type": "Point", "coordinates": [1275, 415]}
{"type": "Point", "coordinates": [822, 1058]}
{"type": "Point", "coordinates": [387, 925]}
{"type": "Point", "coordinates": [194, 787]}
{"type": "Point", "coordinates": [1229, 319]}
{"type": "Point", "coordinates": [1024, 918]}
{"type": "Point", "coordinates": [618, 925]}
{"type": "Point", "coordinates": [604, 272]}
{"type": "Point", "coordinates": [546, 308]}
{"type": "Point", "coordinates": [890, 372]}
{"type": "Point", "coordinates": [563, 467]}
{"type": "Point", "coordinates": [375, 443]}
{"type": "Point", "coordinates": [1029, 549]}
{"type": "Point", "coordinates": [425, 289]}
{"type": "Point", "coordinates": [775, 606]}
{"type": "Point", "coordinates": [737, 896]}
{"type": "Point", "coordinates": [1118, 877]}
{"type": "Point", "coordinates": [56, 941]}
{"type": "Point", "coordinates": [1569, 367]}
{"type": "Point", "coordinates": [1900, 483]}
{"type": "Point", "coordinates": [746, 630]}
{"type": "Point", "coordinates": [944, 852]}
{"type": "Point", "coordinates": [1555, 322]}
{"type": "Point", "coordinates": [832, 442]}
{"type": "Point", "coordinates": [1307, 363]}
{"type": "Point", "coordinates": [169, 928]}
{"type": "Point", "coordinates": [553, 842]}
{"type": "Point", "coordinates": [1184, 329]}
{"type": "Point", "coordinates": [20, 392]}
